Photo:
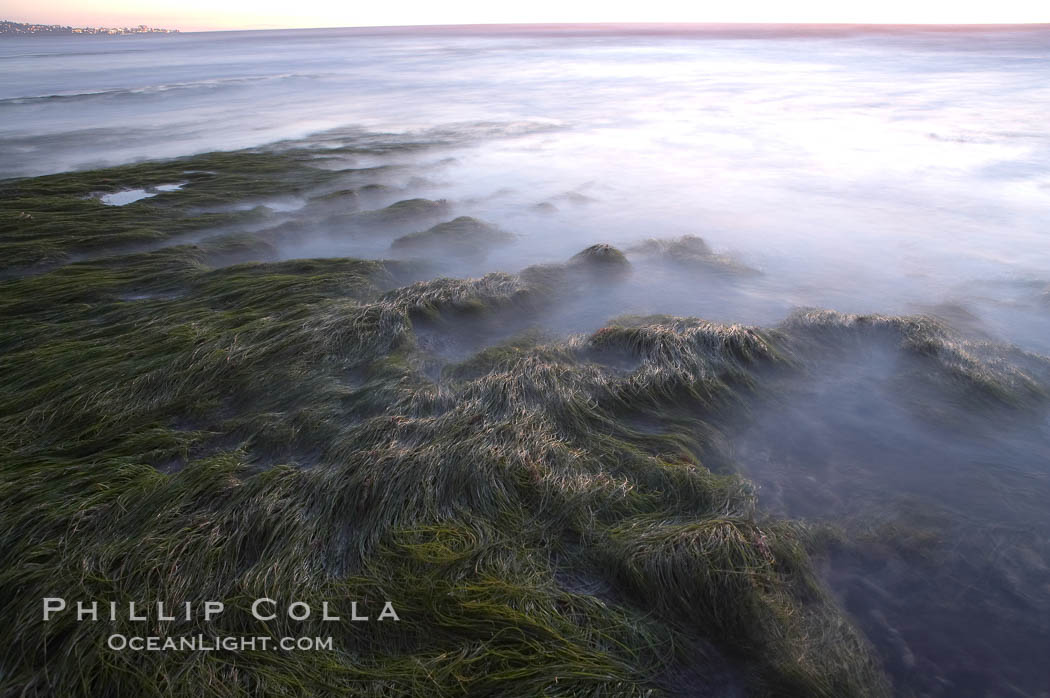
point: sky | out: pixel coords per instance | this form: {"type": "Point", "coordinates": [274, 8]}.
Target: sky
{"type": "Point", "coordinates": [202, 15]}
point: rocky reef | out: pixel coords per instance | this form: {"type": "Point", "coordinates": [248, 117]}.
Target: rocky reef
{"type": "Point", "coordinates": [549, 515]}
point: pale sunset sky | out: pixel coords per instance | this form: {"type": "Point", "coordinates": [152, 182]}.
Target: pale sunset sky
{"type": "Point", "coordinates": [199, 15]}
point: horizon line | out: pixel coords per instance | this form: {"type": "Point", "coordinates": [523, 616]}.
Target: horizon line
{"type": "Point", "coordinates": [569, 25]}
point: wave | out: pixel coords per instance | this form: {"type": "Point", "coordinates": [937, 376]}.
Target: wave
{"type": "Point", "coordinates": [211, 83]}
{"type": "Point", "coordinates": [66, 54]}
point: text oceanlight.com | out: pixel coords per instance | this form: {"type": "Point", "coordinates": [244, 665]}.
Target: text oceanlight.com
{"type": "Point", "coordinates": [203, 643]}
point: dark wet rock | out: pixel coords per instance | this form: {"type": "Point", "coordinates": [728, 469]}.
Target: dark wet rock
{"type": "Point", "coordinates": [689, 251]}
{"type": "Point", "coordinates": [462, 237]}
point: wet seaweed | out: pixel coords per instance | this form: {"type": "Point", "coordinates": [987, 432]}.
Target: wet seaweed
{"type": "Point", "coordinates": [548, 515]}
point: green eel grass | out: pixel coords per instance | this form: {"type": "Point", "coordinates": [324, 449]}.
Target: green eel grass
{"type": "Point", "coordinates": [176, 430]}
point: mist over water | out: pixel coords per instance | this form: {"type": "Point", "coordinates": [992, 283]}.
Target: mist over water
{"type": "Point", "coordinates": [892, 172]}
{"type": "Point", "coordinates": [882, 172]}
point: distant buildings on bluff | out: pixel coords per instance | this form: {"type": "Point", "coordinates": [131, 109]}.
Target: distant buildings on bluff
{"type": "Point", "coordinates": [9, 28]}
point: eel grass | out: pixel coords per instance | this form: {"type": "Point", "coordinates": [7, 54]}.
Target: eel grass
{"type": "Point", "coordinates": [173, 430]}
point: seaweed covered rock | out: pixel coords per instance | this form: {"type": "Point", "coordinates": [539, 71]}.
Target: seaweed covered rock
{"type": "Point", "coordinates": [689, 251]}
{"type": "Point", "coordinates": [684, 246]}
{"type": "Point", "coordinates": [340, 200]}
{"type": "Point", "coordinates": [461, 237]}
{"type": "Point", "coordinates": [600, 254]}
{"type": "Point", "coordinates": [375, 190]}
{"type": "Point", "coordinates": [949, 378]}
{"type": "Point", "coordinates": [575, 198]}
{"type": "Point", "coordinates": [680, 341]}
{"type": "Point", "coordinates": [337, 195]}
{"type": "Point", "coordinates": [602, 260]}
{"type": "Point", "coordinates": [401, 215]}
{"type": "Point", "coordinates": [446, 296]}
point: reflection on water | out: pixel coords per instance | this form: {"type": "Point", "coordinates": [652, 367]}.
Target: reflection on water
{"type": "Point", "coordinates": [128, 196]}
{"type": "Point", "coordinates": [893, 172]}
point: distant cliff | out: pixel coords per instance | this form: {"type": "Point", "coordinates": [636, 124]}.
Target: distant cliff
{"type": "Point", "coordinates": [8, 28]}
